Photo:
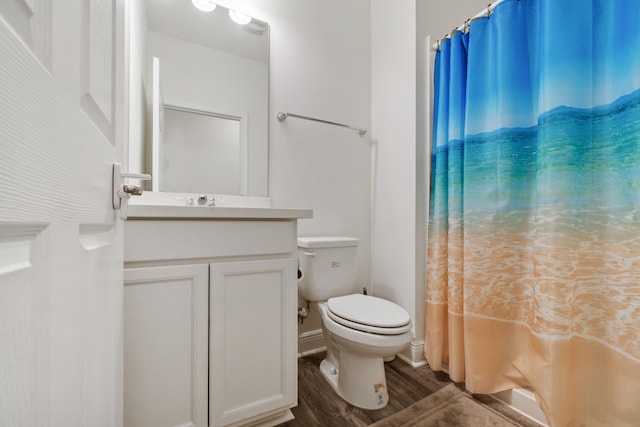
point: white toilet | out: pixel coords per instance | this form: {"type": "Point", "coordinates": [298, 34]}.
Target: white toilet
{"type": "Point", "coordinates": [359, 330]}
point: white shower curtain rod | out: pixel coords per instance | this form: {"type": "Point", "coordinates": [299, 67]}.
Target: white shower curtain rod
{"type": "Point", "coordinates": [464, 27]}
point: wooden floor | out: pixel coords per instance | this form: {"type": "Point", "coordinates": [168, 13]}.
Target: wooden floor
{"type": "Point", "coordinates": [318, 405]}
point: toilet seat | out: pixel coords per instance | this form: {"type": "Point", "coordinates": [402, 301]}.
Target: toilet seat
{"type": "Point", "coordinates": [369, 314]}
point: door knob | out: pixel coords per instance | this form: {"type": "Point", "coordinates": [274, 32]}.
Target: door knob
{"type": "Point", "coordinates": [133, 190]}
{"type": "Point", "coordinates": [123, 191]}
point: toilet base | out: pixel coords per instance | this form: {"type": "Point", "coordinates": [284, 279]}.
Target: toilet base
{"type": "Point", "coordinates": [360, 380]}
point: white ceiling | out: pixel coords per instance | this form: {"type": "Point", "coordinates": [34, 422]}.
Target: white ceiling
{"type": "Point", "coordinates": [216, 30]}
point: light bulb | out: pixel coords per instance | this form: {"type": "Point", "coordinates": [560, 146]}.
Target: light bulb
{"type": "Point", "coordinates": [204, 5]}
{"type": "Point", "coordinates": [239, 18]}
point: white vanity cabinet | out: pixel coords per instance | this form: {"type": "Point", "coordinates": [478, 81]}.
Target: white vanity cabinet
{"type": "Point", "coordinates": [211, 319]}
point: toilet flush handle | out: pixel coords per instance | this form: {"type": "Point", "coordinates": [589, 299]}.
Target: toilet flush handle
{"type": "Point", "coordinates": [309, 253]}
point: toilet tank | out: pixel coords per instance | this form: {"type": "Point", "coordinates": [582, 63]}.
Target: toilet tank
{"type": "Point", "coordinates": [327, 266]}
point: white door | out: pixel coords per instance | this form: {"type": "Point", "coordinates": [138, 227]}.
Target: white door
{"type": "Point", "coordinates": [61, 129]}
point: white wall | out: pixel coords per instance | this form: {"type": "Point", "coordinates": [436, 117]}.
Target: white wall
{"type": "Point", "coordinates": [393, 69]}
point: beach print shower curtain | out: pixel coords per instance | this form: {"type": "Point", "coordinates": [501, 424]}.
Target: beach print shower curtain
{"type": "Point", "coordinates": [533, 273]}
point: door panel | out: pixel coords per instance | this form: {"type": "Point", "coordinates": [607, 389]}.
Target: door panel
{"type": "Point", "coordinates": [23, 313]}
{"type": "Point", "coordinates": [97, 71]}
{"type": "Point", "coordinates": [60, 239]}
{"type": "Point", "coordinates": [31, 20]}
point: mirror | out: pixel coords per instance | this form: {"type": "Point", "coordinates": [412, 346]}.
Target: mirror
{"type": "Point", "coordinates": [200, 87]}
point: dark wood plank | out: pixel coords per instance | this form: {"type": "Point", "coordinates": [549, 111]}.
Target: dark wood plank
{"type": "Point", "coordinates": [318, 405]}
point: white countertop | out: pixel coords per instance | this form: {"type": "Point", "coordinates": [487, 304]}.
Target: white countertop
{"type": "Point", "coordinates": [138, 212]}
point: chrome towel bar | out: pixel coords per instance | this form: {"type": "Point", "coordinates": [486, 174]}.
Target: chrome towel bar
{"type": "Point", "coordinates": [283, 116]}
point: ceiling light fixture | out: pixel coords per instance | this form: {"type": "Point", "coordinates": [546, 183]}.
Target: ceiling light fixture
{"type": "Point", "coordinates": [238, 17]}
{"type": "Point", "coordinates": [204, 5]}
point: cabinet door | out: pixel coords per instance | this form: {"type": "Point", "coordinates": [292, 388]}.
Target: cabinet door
{"type": "Point", "coordinates": [165, 346]}
{"type": "Point", "coordinates": [252, 366]}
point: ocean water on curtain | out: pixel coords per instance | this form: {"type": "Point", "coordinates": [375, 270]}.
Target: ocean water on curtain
{"type": "Point", "coordinates": [558, 202]}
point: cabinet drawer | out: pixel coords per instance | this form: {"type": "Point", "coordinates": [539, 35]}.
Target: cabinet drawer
{"type": "Point", "coordinates": [152, 240]}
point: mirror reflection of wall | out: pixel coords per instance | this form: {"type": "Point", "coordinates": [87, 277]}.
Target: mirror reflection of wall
{"type": "Point", "coordinates": [209, 64]}
{"type": "Point", "coordinates": [201, 153]}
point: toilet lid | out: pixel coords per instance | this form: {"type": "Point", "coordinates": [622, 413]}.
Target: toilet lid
{"type": "Point", "coordinates": [369, 314]}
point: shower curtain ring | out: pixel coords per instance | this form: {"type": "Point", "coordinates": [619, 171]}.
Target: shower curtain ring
{"type": "Point", "coordinates": [489, 11]}
{"type": "Point", "coordinates": [467, 25]}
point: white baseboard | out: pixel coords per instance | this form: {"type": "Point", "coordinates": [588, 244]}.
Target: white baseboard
{"type": "Point", "coordinates": [518, 399]}
{"type": "Point", "coordinates": [524, 402]}
{"type": "Point", "coordinates": [413, 353]}
{"type": "Point", "coordinates": [311, 342]}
